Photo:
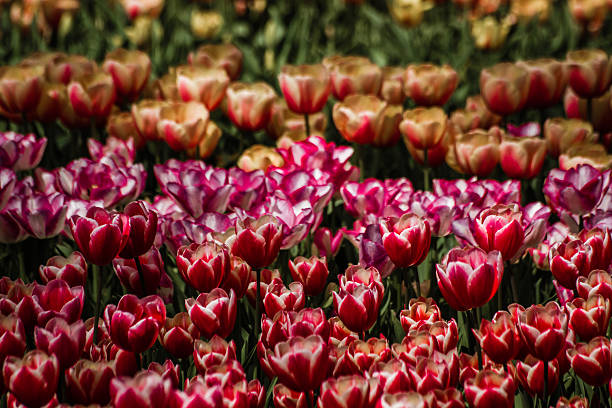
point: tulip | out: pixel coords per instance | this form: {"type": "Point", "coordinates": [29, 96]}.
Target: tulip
{"type": "Point", "coordinates": [178, 334]}
{"type": "Point", "coordinates": [121, 126]}
{"type": "Point", "coordinates": [182, 124]}
{"type": "Point", "coordinates": [57, 299]}
{"type": "Point", "coordinates": [49, 106]}
{"type": "Point", "coordinates": [146, 114]}
{"type": "Point", "coordinates": [561, 134]}
{"type": "Point", "coordinates": [213, 313]}
{"type": "Point", "coordinates": [418, 82]}
{"type": "Point", "coordinates": [146, 389]}
{"type": "Point", "coordinates": [591, 361]}
{"type": "Point", "coordinates": [32, 379]}
{"type": "Point", "coordinates": [93, 95]}
{"type": "Point", "coordinates": [401, 399]}
{"type": "Point", "coordinates": [88, 382]}
{"type": "Point", "coordinates": [167, 371]}
{"type": "Point", "coordinates": [311, 273]}
{"type": "Point", "coordinates": [8, 178]}
{"type": "Point", "coordinates": [40, 215]}
{"type": "Point", "coordinates": [504, 87]}
{"type": "Point", "coordinates": [285, 397]}
{"type": "Point", "coordinates": [226, 56]}
{"type": "Point", "coordinates": [119, 150]}
{"type": "Point", "coordinates": [325, 243]}
{"type": "Point", "coordinates": [597, 282]}
{"type": "Point", "coordinates": [130, 70]}
{"type": "Point", "coordinates": [449, 398]}
{"type": "Point", "coordinates": [359, 118]}
{"type": "Point", "coordinates": [12, 337]}
{"type": "Point", "coordinates": [589, 318]}
{"type": "Point", "coordinates": [21, 152]}
{"type": "Point", "coordinates": [144, 280]}
{"type": "Point", "coordinates": [208, 142]}
{"type": "Point", "coordinates": [522, 157]}
{"type": "Point", "coordinates": [474, 153]}
{"type": "Point", "coordinates": [215, 352]}
{"type": "Point", "coordinates": [574, 402]}
{"type": "Point", "coordinates": [63, 340]}
{"type": "Point", "coordinates": [256, 394]}
{"type": "Point", "coordinates": [259, 157]}
{"type": "Point", "coordinates": [469, 278]}
{"type": "Point", "coordinates": [285, 122]}
{"type": "Point", "coordinates": [278, 297]}
{"type": "Point", "coordinates": [420, 311]}
{"type": "Point", "coordinates": [249, 105]}
{"type": "Point", "coordinates": [100, 235]}
{"type": "Point", "coordinates": [62, 68]}
{"type": "Point", "coordinates": [424, 128]}
{"type": "Point", "coordinates": [197, 394]}
{"type": "Point", "coordinates": [547, 81]}
{"type": "Point", "coordinates": [600, 241]}
{"type": "Point", "coordinates": [531, 376]}
{"type": "Point", "coordinates": [497, 337]}
{"type": "Point", "coordinates": [392, 376]}
{"type": "Point", "coordinates": [143, 227]}
{"type": "Point", "coordinates": [287, 324]}
{"type": "Point", "coordinates": [543, 328]}
{"type": "Point", "coordinates": [406, 239]}
{"type": "Point", "coordinates": [490, 389]}
{"type": "Point", "coordinates": [345, 392]}
{"type": "Point", "coordinates": [489, 33]}
{"type": "Point", "coordinates": [353, 75]}
{"type": "Point", "coordinates": [409, 13]}
{"type": "Point", "coordinates": [594, 154]}
{"type": "Point", "coordinates": [20, 89]}
{"type": "Point", "coordinates": [590, 72]}
{"type": "Point", "coordinates": [205, 85]}
{"type": "Point", "coordinates": [569, 260]}
{"type": "Point", "coordinates": [360, 356]}
{"type": "Point", "coordinates": [357, 303]}
{"type": "Point", "coordinates": [305, 87]}
{"type": "Point", "coordinates": [134, 323]}
{"type": "Point", "coordinates": [392, 88]}
{"type": "Point", "coordinates": [257, 241]}
{"type": "Point", "coordinates": [203, 266]}
{"type": "Point", "coordinates": [238, 277]}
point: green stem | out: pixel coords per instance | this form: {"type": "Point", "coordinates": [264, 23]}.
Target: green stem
{"type": "Point", "coordinates": [140, 275]}
{"type": "Point", "coordinates": [307, 123]}
{"type": "Point", "coordinates": [417, 280]}
{"type": "Point", "coordinates": [309, 398]}
{"type": "Point", "coordinates": [426, 171]}
{"type": "Point", "coordinates": [589, 112]}
{"type": "Point", "coordinates": [515, 297]}
{"type": "Point", "coordinates": [97, 287]}
{"type": "Point", "coordinates": [473, 323]}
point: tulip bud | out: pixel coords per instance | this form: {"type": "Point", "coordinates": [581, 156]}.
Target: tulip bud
{"type": "Point", "coordinates": [490, 389]}
{"type": "Point", "coordinates": [61, 339]}
{"type": "Point", "coordinates": [178, 334]}
{"type": "Point", "coordinates": [143, 227]}
{"type": "Point", "coordinates": [146, 389]}
{"type": "Point", "coordinates": [205, 85]}
{"type": "Point", "coordinates": [93, 95]}
{"type": "Point", "coordinates": [226, 56]}
{"type": "Point", "coordinates": [591, 361]}
{"type": "Point", "coordinates": [249, 106]}
{"type": "Point", "coordinates": [504, 87]}
{"type": "Point", "coordinates": [238, 277]}
{"type": "Point", "coordinates": [305, 87]}
{"type": "Point", "coordinates": [213, 313]}
{"type": "Point", "coordinates": [32, 379]}
{"type": "Point", "coordinates": [311, 273]}
{"type": "Point", "coordinates": [406, 240]}
{"type": "Point", "coordinates": [257, 241]}
{"type": "Point", "coordinates": [130, 70]}
{"type": "Point", "coordinates": [419, 79]}
{"type": "Point", "coordinates": [424, 127]}
{"type": "Point", "coordinates": [88, 382]}
{"type": "Point", "coordinates": [590, 72]}
{"type": "Point", "coordinates": [543, 329]}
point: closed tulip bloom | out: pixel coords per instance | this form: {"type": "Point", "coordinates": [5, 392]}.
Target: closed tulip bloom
{"type": "Point", "coordinates": [594, 154]}
{"type": "Point", "coordinates": [592, 361]}
{"type": "Point", "coordinates": [420, 311]}
{"type": "Point", "coordinates": [345, 392]}
{"type": "Point", "coordinates": [574, 402]}
{"type": "Point", "coordinates": [489, 33]}
{"type": "Point", "coordinates": [203, 266]}
{"type": "Point", "coordinates": [569, 260]}
{"type": "Point", "coordinates": [474, 153]}
{"type": "Point", "coordinates": [590, 72]}
{"type": "Point", "coordinates": [178, 334]}
{"type": "Point", "coordinates": [530, 373]}
{"type": "Point", "coordinates": [561, 134]}
{"type": "Point", "coordinates": [226, 56]}
{"type": "Point", "coordinates": [577, 190]}
{"type": "Point", "coordinates": [490, 389]}
{"type": "Point", "coordinates": [134, 323]}
{"type": "Point", "coordinates": [205, 85]}
{"type": "Point", "coordinates": [88, 382]}
{"type": "Point", "coordinates": [305, 87]}
{"type": "Point", "coordinates": [357, 306]}
{"type": "Point", "coordinates": [152, 273]}
{"type": "Point", "coordinates": [32, 379]}
{"type": "Point", "coordinates": [182, 124]}
{"type": "Point", "coordinates": [61, 339]}
{"type": "Point", "coordinates": [430, 85]}
{"type": "Point", "coordinates": [469, 277]}
{"type": "Point", "coordinates": [279, 297]}
{"type": "Point", "coordinates": [249, 106]}
{"type": "Point", "coordinates": [547, 81]}
{"type": "Point", "coordinates": [12, 337]}
{"type": "Point", "coordinates": [285, 122]}
{"type": "Point", "coordinates": [57, 299]}
{"type": "Point", "coordinates": [392, 88]}
{"type": "Point", "coordinates": [257, 241]}
{"type": "Point", "coordinates": [143, 227]}
{"type": "Point", "coordinates": [300, 362]}
{"type": "Point", "coordinates": [543, 329]}
{"type": "Point", "coordinates": [358, 118]}
{"type": "Point", "coordinates": [146, 114]}
{"type": "Point", "coordinates": [121, 126]}
{"type": "Point", "coordinates": [311, 273]}
{"type": "Point", "coordinates": [259, 157]}
{"type": "Point", "coordinates": [406, 239]}
{"type": "Point", "coordinates": [401, 399]}
{"type": "Point", "coordinates": [282, 326]}
{"type": "Point", "coordinates": [589, 318]}
{"type": "Point", "coordinates": [504, 87]}
{"type": "Point", "coordinates": [522, 157]}
{"type": "Point", "coordinates": [100, 235]}
{"type": "Point", "coordinates": [213, 313]}
{"type": "Point", "coordinates": [20, 88]}
{"type": "Point", "coordinates": [284, 397]}
{"type": "Point", "coordinates": [424, 127]}
{"type": "Point", "coordinates": [497, 337]}
{"type": "Point", "coordinates": [391, 375]}
{"type": "Point", "coordinates": [130, 70]}
{"type": "Point", "coordinates": [215, 352]}
{"type": "Point", "coordinates": [353, 75]}
{"type": "Point", "coordinates": [146, 389]}
{"type": "Point", "coordinates": [238, 277]}
{"type": "Point", "coordinates": [598, 282]}
{"type": "Point", "coordinates": [93, 95]}
{"type": "Point", "coordinates": [21, 152]}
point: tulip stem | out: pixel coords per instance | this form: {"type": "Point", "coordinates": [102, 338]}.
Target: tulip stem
{"type": "Point", "coordinates": [418, 282]}
{"type": "Point", "coordinates": [97, 287]}
{"type": "Point", "coordinates": [140, 275]}
{"type": "Point", "coordinates": [307, 123]}
{"type": "Point", "coordinates": [309, 398]}
{"type": "Point", "coordinates": [426, 171]}
{"type": "Point", "coordinates": [589, 108]}
{"type": "Point", "coordinates": [545, 391]}
{"type": "Point", "coordinates": [515, 298]}
{"type": "Point", "coordinates": [258, 306]}
{"type": "Point", "coordinates": [473, 324]}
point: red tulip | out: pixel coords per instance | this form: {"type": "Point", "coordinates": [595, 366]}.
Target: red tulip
{"type": "Point", "coordinates": [345, 392]}
{"type": "Point", "coordinates": [589, 318]}
{"type": "Point", "coordinates": [490, 389]}
{"type": "Point", "coordinates": [497, 337]}
{"type": "Point", "coordinates": [146, 389]}
{"type": "Point", "coordinates": [134, 323]}
{"type": "Point", "coordinates": [300, 362]}
{"type": "Point", "coordinates": [287, 324]}
{"type": "Point", "coordinates": [360, 356]}
{"type": "Point", "coordinates": [522, 157]}
{"type": "Point", "coordinates": [32, 379]}
{"type": "Point", "coordinates": [592, 361]}
{"type": "Point", "coordinates": [590, 72]}
{"type": "Point", "coordinates": [257, 241]}
{"type": "Point", "coordinates": [416, 344]}
{"type": "Point", "coordinates": [72, 269]}
{"type": "Point", "coordinates": [279, 297]}
{"type": "Point", "coordinates": [504, 87]}
{"type": "Point", "coordinates": [543, 329]}
{"type": "Point", "coordinates": [61, 339]}
{"type": "Point", "coordinates": [530, 373]}
{"type": "Point", "coordinates": [358, 301]}
{"type": "Point", "coordinates": [600, 241]}
{"type": "Point", "coordinates": [143, 227]}
{"type": "Point", "coordinates": [249, 106]}
{"type": "Point", "coordinates": [569, 260]}
{"type": "Point", "coordinates": [167, 371]}
{"type": "Point", "coordinates": [57, 299]}
{"type": "Point", "coordinates": [444, 332]}
{"type": "Point", "coordinates": [353, 75]}
{"type": "Point", "coordinates": [209, 354]}
{"type": "Point", "coordinates": [267, 277]}
{"type": "Point", "coordinates": [500, 228]}
{"type": "Point", "coordinates": [598, 282]}
{"type": "Point", "coordinates": [130, 70]}
{"type": "Point", "coordinates": [305, 87]}
{"type": "Point", "coordinates": [203, 266]}
{"type": "Point", "coordinates": [100, 235]}
{"type": "Point", "coordinates": [197, 394]}
{"type": "Point", "coordinates": [401, 400]}
{"type": "Point", "coordinates": [152, 272]}
{"type": "Point", "coordinates": [406, 240]}
{"type": "Point", "coordinates": [213, 313]}
{"type": "Point", "coordinates": [12, 337]}
{"type": "Point", "coordinates": [475, 152]}
{"type": "Point", "coordinates": [178, 334]}
{"type": "Point", "coordinates": [430, 373]}
{"type": "Point", "coordinates": [20, 88]}
{"type": "Point", "coordinates": [449, 398]}
{"type": "Point", "coordinates": [311, 273]}
{"type": "Point", "coordinates": [392, 376]}
{"type": "Point", "coordinates": [284, 397]}
{"type": "Point", "coordinates": [88, 382]}
{"type": "Point", "coordinates": [238, 278]}
{"type": "Point", "coordinates": [256, 394]}
{"type": "Point", "coordinates": [469, 277]}
{"type": "Point", "coordinates": [421, 310]}
{"type": "Point", "coordinates": [574, 402]}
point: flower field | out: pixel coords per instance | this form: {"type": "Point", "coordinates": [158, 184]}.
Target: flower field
{"type": "Point", "coordinates": [300, 204]}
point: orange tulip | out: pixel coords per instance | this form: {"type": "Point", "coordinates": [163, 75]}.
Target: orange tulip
{"type": "Point", "coordinates": [561, 134]}
{"type": "Point", "coordinates": [305, 87]}
{"type": "Point", "coordinates": [130, 70]}
{"type": "Point", "coordinates": [590, 72]}
{"type": "Point", "coordinates": [226, 56]}
{"type": "Point", "coordinates": [429, 85]}
{"type": "Point", "coordinates": [547, 81]}
{"type": "Point", "coordinates": [249, 106]}
{"type": "Point", "coordinates": [182, 124]}
{"type": "Point", "coordinates": [504, 87]}
{"type": "Point", "coordinates": [475, 152]}
{"type": "Point", "coordinates": [358, 117]}
{"type": "Point", "coordinates": [353, 75]}
{"type": "Point", "coordinates": [206, 85]}
{"type": "Point", "coordinates": [20, 88]}
{"type": "Point", "coordinates": [259, 157]}
{"type": "Point", "coordinates": [146, 114]}
{"type": "Point", "coordinates": [48, 107]}
{"type": "Point", "coordinates": [392, 89]}
{"type": "Point", "coordinates": [424, 127]}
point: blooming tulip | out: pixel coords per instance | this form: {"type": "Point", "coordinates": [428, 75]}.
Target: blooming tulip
{"type": "Point", "coordinates": [178, 334]}
{"type": "Point", "coordinates": [203, 266]}
{"type": "Point", "coordinates": [259, 157]}
{"type": "Point", "coordinates": [57, 299]}
{"type": "Point", "coordinates": [543, 329]}
{"type": "Point", "coordinates": [561, 134]}
{"type": "Point", "coordinates": [358, 118]}
{"type": "Point", "coordinates": [88, 382]}
{"type": "Point", "coordinates": [278, 297]}
{"type": "Point", "coordinates": [257, 241]}
{"type": "Point", "coordinates": [353, 75]}
{"type": "Point", "coordinates": [285, 397]}
{"type": "Point", "coordinates": [144, 280]}
{"type": "Point", "coordinates": [93, 95]}
{"type": "Point", "coordinates": [522, 157]}
{"type": "Point", "coordinates": [345, 392]}
{"type": "Point", "coordinates": [182, 124]}
{"type": "Point", "coordinates": [205, 85]}
{"type": "Point", "coordinates": [63, 340]}
{"type": "Point", "coordinates": [597, 282]}
{"type": "Point", "coordinates": [590, 72]}
{"type": "Point", "coordinates": [305, 87]}
{"type": "Point", "coordinates": [130, 70]}
{"type": "Point", "coordinates": [497, 337]}
{"type": "Point", "coordinates": [32, 379]}
{"type": "Point", "coordinates": [146, 115]}
{"type": "Point", "coordinates": [490, 389]}
{"type": "Point", "coordinates": [504, 87]}
{"type": "Point", "coordinates": [226, 56]}
{"type": "Point", "coordinates": [146, 389]}
{"type": "Point", "coordinates": [20, 89]}
{"type": "Point", "coordinates": [592, 361]}
{"type": "Point", "coordinates": [213, 313]}
{"type": "Point", "coordinates": [419, 79]}
{"type": "Point", "coordinates": [419, 311]}
{"type": "Point", "coordinates": [401, 399]}
{"type": "Point", "coordinates": [475, 152]}
{"type": "Point", "coordinates": [216, 351]}
{"type": "Point", "coordinates": [406, 239]}
{"type": "Point", "coordinates": [21, 152]}
{"type": "Point", "coordinates": [589, 318]}
{"type": "Point", "coordinates": [547, 81]}
{"type": "Point", "coordinates": [392, 88]}
{"type": "Point", "coordinates": [530, 373]}
{"type": "Point", "coordinates": [249, 106]}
